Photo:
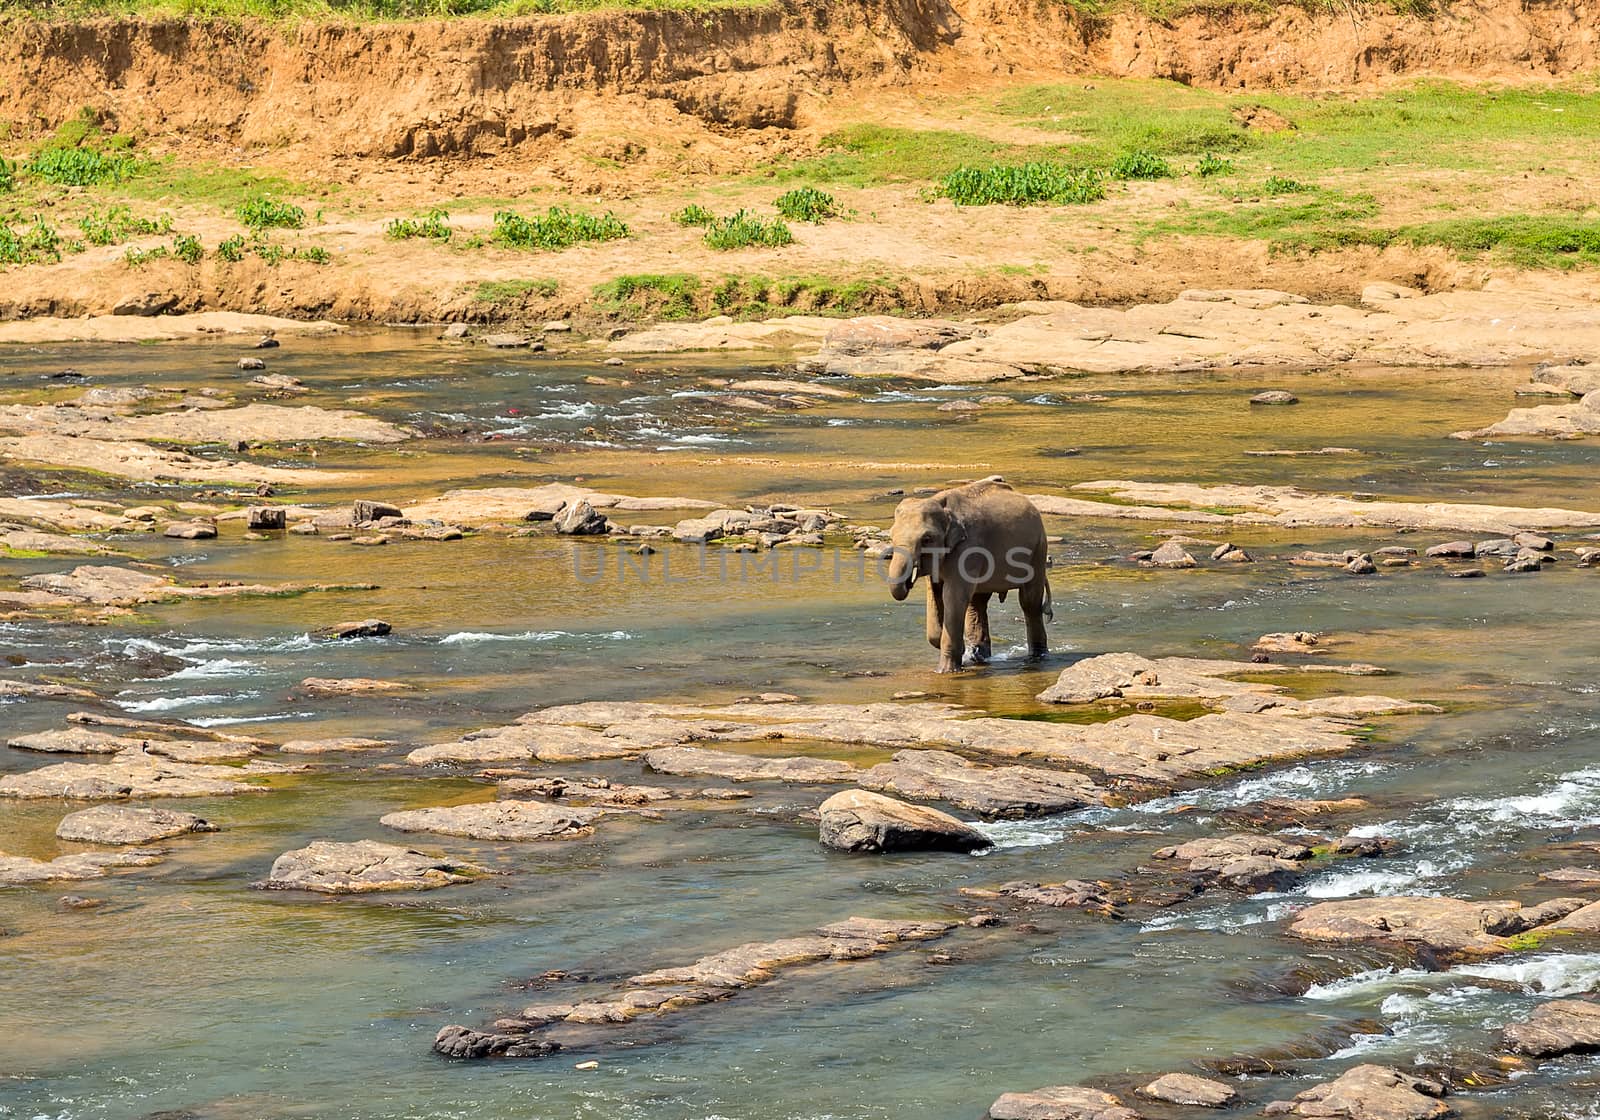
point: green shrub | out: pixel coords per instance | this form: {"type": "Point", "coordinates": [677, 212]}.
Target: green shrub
{"type": "Point", "coordinates": [118, 223]}
{"type": "Point", "coordinates": [556, 228]}
{"type": "Point", "coordinates": [39, 243]}
{"type": "Point", "coordinates": [188, 249]}
{"type": "Point", "coordinates": [1277, 185]}
{"type": "Point", "coordinates": [232, 250]}
{"type": "Point", "coordinates": [1140, 164]}
{"type": "Point", "coordinates": [315, 254]}
{"type": "Point", "coordinates": [806, 204]}
{"type": "Point", "coordinates": [694, 215]}
{"type": "Point", "coordinates": [79, 167]}
{"type": "Point", "coordinates": [265, 212]}
{"type": "Point", "coordinates": [1210, 165]}
{"type": "Point", "coordinates": [138, 258]}
{"type": "Point", "coordinates": [745, 230]}
{"type": "Point", "coordinates": [1022, 183]}
{"type": "Point", "coordinates": [431, 225]}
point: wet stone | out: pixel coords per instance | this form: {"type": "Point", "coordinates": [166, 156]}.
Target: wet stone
{"type": "Point", "coordinates": [363, 628]}
{"type": "Point", "coordinates": [861, 821]}
{"type": "Point", "coordinates": [1563, 1026]}
{"type": "Point", "coordinates": [499, 820]}
{"type": "Point", "coordinates": [702, 762]}
{"type": "Point", "coordinates": [1247, 862]}
{"type": "Point", "coordinates": [1449, 927]}
{"type": "Point", "coordinates": [1060, 1102]}
{"type": "Point", "coordinates": [364, 866]}
{"type": "Point", "coordinates": [1187, 1089]}
{"type": "Point", "coordinates": [1368, 1092]}
{"type": "Point", "coordinates": [1275, 396]}
{"type": "Point", "coordinates": [994, 791]}
{"type": "Point", "coordinates": [22, 871]}
{"type": "Point", "coordinates": [127, 824]}
{"type": "Point", "coordinates": [1172, 555]}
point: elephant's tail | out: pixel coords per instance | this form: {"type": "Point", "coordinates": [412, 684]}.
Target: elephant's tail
{"type": "Point", "coordinates": [1049, 608]}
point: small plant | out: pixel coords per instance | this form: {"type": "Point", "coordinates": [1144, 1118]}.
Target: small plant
{"type": "Point", "coordinates": [1022, 183]}
{"type": "Point", "coordinates": [117, 224]}
{"type": "Point", "coordinates": [1211, 164]}
{"type": "Point", "coordinates": [557, 228]}
{"type": "Point", "coordinates": [432, 225]}
{"type": "Point", "coordinates": [314, 254]}
{"type": "Point", "coordinates": [39, 243]}
{"type": "Point", "coordinates": [188, 249]}
{"type": "Point", "coordinates": [1278, 185]}
{"type": "Point", "coordinates": [8, 174]}
{"type": "Point", "coordinates": [1140, 164]}
{"type": "Point", "coordinates": [806, 204]}
{"type": "Point", "coordinates": [694, 215]}
{"type": "Point", "coordinates": [232, 250]}
{"type": "Point", "coordinates": [138, 258]}
{"type": "Point", "coordinates": [265, 212]}
{"type": "Point", "coordinates": [743, 229]}
{"type": "Point", "coordinates": [79, 167]}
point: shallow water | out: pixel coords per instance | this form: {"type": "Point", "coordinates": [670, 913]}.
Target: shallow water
{"type": "Point", "coordinates": [190, 991]}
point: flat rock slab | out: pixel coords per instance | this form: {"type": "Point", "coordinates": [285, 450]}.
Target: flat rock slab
{"type": "Point", "coordinates": [710, 979]}
{"type": "Point", "coordinates": [723, 333]}
{"type": "Point", "coordinates": [142, 463]}
{"type": "Point", "coordinates": [1060, 1102]}
{"type": "Point", "coordinates": [1288, 507]}
{"type": "Point", "coordinates": [73, 740]}
{"type": "Point", "coordinates": [1130, 676]}
{"type": "Point", "coordinates": [1187, 1089]}
{"type": "Point", "coordinates": [131, 774]}
{"type": "Point", "coordinates": [21, 871]}
{"type": "Point", "coordinates": [532, 503]}
{"type": "Point", "coordinates": [128, 824]}
{"type": "Point", "coordinates": [334, 745]}
{"type": "Point", "coordinates": [1449, 926]}
{"type": "Point", "coordinates": [112, 586]}
{"type": "Point", "coordinates": [42, 690]}
{"type": "Point", "coordinates": [993, 791]}
{"type": "Point", "coordinates": [499, 820]}
{"type": "Point", "coordinates": [351, 686]}
{"type": "Point", "coordinates": [1567, 419]}
{"type": "Point", "coordinates": [861, 821]}
{"type": "Point", "coordinates": [363, 867]}
{"type": "Point", "coordinates": [732, 767]}
{"type": "Point", "coordinates": [1248, 862]}
{"type": "Point", "coordinates": [252, 422]}
{"type": "Point", "coordinates": [1369, 1092]}
{"type": "Point", "coordinates": [1562, 1026]}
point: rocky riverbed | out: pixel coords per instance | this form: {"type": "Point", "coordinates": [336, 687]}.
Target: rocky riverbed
{"type": "Point", "coordinates": [535, 734]}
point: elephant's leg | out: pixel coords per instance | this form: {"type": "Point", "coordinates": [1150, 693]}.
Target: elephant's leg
{"type": "Point", "coordinates": [935, 614]}
{"type": "Point", "coordinates": [953, 609]}
{"type": "Point", "coordinates": [1032, 599]}
{"type": "Point", "coordinates": [978, 628]}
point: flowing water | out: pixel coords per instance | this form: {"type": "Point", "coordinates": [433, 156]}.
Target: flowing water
{"type": "Point", "coordinates": [190, 991]}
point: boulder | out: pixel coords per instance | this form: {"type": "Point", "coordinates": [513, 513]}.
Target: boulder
{"type": "Point", "coordinates": [261, 519]}
{"type": "Point", "coordinates": [73, 740]}
{"type": "Point", "coordinates": [993, 791]}
{"type": "Point", "coordinates": [467, 1044]}
{"type": "Point", "coordinates": [1446, 926]}
{"type": "Point", "coordinates": [128, 824]}
{"type": "Point", "coordinates": [860, 821]}
{"type": "Point", "coordinates": [190, 530]}
{"type": "Point", "coordinates": [251, 364]}
{"type": "Point", "coordinates": [580, 519]}
{"type": "Point", "coordinates": [1187, 1089]}
{"type": "Point", "coordinates": [363, 628]}
{"type": "Point", "coordinates": [1246, 861]}
{"type": "Point", "coordinates": [363, 511]}
{"type": "Point", "coordinates": [331, 867]}
{"type": "Point", "coordinates": [1452, 550]}
{"type": "Point", "coordinates": [350, 686]}
{"type": "Point", "coordinates": [1060, 1102]}
{"type": "Point", "coordinates": [499, 820]}
{"type": "Point", "coordinates": [1172, 555]}
{"type": "Point", "coordinates": [1275, 396]}
{"type": "Point", "coordinates": [1369, 1092]}
{"type": "Point", "coordinates": [1562, 1026]}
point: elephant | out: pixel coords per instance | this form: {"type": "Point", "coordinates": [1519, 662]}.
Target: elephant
{"type": "Point", "coordinates": [972, 542]}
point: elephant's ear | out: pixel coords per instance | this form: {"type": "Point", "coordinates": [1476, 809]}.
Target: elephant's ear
{"type": "Point", "coordinates": [955, 532]}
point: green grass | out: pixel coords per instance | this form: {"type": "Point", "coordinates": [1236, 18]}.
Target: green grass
{"type": "Point", "coordinates": [557, 228]}
{"type": "Point", "coordinates": [432, 225]}
{"type": "Point", "coordinates": [660, 295]}
{"type": "Point", "coordinates": [870, 154]}
{"type": "Point", "coordinates": [806, 204]}
{"type": "Point", "coordinates": [1212, 165]}
{"type": "Point", "coordinates": [226, 188]}
{"type": "Point", "coordinates": [118, 224]}
{"type": "Point", "coordinates": [262, 211]}
{"type": "Point", "coordinates": [679, 295]}
{"type": "Point", "coordinates": [1023, 183]}
{"type": "Point", "coordinates": [744, 230]}
{"type": "Point", "coordinates": [507, 291]}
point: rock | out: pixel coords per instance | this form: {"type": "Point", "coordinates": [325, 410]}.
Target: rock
{"type": "Point", "coordinates": [1469, 573]}
{"type": "Point", "coordinates": [129, 774]}
{"type": "Point", "coordinates": [144, 304]}
{"type": "Point", "coordinates": [44, 691]}
{"type": "Point", "coordinates": [1530, 563]}
{"type": "Point", "coordinates": [73, 740]}
{"type": "Point", "coordinates": [1370, 1092]}
{"type": "Point", "coordinates": [556, 327]}
{"type": "Point", "coordinates": [1248, 862]}
{"type": "Point", "coordinates": [364, 511]}
{"type": "Point", "coordinates": [993, 791]}
{"type": "Point", "coordinates": [350, 686]}
{"type": "Point", "coordinates": [1446, 926]}
{"type": "Point", "coordinates": [1500, 546]}
{"type": "Point", "coordinates": [463, 1043]}
{"type": "Point", "coordinates": [330, 867]}
{"type": "Point", "coordinates": [581, 519]}
{"type": "Point", "coordinates": [1060, 1102]}
{"type": "Point", "coordinates": [1585, 875]}
{"type": "Point", "coordinates": [190, 530]}
{"type": "Point", "coordinates": [802, 388]}
{"type": "Point", "coordinates": [1187, 1089]}
{"type": "Point", "coordinates": [1127, 675]}
{"type": "Point", "coordinates": [870, 333]}
{"type": "Point", "coordinates": [262, 519]}
{"type": "Point", "coordinates": [1567, 420]}
{"type": "Point", "coordinates": [1172, 555]}
{"type": "Point", "coordinates": [1562, 1026]}
{"type": "Point", "coordinates": [701, 762]}
{"type": "Point", "coordinates": [499, 820]}
{"type": "Point", "coordinates": [1452, 550]}
{"type": "Point", "coordinates": [505, 341]}
{"type": "Point", "coordinates": [455, 332]}
{"type": "Point", "coordinates": [21, 871]}
{"type": "Point", "coordinates": [1299, 642]}
{"type": "Point", "coordinates": [959, 406]}
{"type": "Point", "coordinates": [280, 382]}
{"type": "Point", "coordinates": [1275, 396]}
{"type": "Point", "coordinates": [344, 631]}
{"type": "Point", "coordinates": [248, 364]}
{"type": "Point", "coordinates": [860, 821]}
{"type": "Point", "coordinates": [127, 824]}
{"type": "Point", "coordinates": [1534, 541]}
{"type": "Point", "coordinates": [1361, 566]}
{"type": "Point", "coordinates": [328, 746]}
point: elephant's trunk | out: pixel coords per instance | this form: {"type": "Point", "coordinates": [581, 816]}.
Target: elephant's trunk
{"type": "Point", "coordinates": [902, 574]}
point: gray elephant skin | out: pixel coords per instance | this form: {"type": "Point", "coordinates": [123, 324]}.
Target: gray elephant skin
{"type": "Point", "coordinates": [972, 542]}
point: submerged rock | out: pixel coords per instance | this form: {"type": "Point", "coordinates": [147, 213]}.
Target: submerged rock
{"type": "Point", "coordinates": [1187, 1089]}
{"type": "Point", "coordinates": [129, 774]}
{"type": "Point", "coordinates": [21, 871]}
{"type": "Point", "coordinates": [331, 867]}
{"type": "Point", "coordinates": [1253, 863]}
{"type": "Point", "coordinates": [1275, 396]}
{"type": "Point", "coordinates": [994, 791]}
{"type": "Point", "coordinates": [464, 1043]}
{"type": "Point", "coordinates": [701, 762]}
{"type": "Point", "coordinates": [127, 824]}
{"type": "Point", "coordinates": [499, 820]}
{"type": "Point", "coordinates": [329, 746]}
{"type": "Point", "coordinates": [1562, 1026]}
{"type": "Point", "coordinates": [1369, 1092]}
{"type": "Point", "coordinates": [1447, 926]}
{"type": "Point", "coordinates": [350, 686]}
{"type": "Point", "coordinates": [363, 628]}
{"type": "Point", "coordinates": [1060, 1102]}
{"type": "Point", "coordinates": [860, 821]}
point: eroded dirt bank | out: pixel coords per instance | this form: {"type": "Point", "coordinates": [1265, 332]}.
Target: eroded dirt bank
{"type": "Point", "coordinates": [471, 86]}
